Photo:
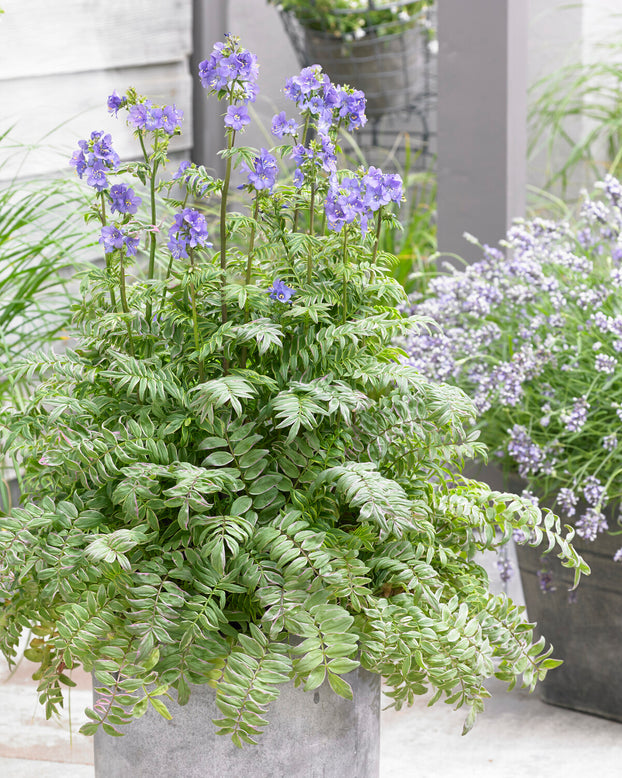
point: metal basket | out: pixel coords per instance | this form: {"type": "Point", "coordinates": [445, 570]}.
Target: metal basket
{"type": "Point", "coordinates": [388, 62]}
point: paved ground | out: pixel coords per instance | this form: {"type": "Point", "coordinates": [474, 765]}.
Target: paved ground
{"type": "Point", "coordinates": [516, 737]}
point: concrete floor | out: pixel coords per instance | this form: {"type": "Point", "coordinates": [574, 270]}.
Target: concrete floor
{"type": "Point", "coordinates": [516, 736]}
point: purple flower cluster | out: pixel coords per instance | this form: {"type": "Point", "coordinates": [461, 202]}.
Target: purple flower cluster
{"type": "Point", "coordinates": [593, 491]}
{"type": "Point", "coordinates": [567, 500]}
{"type": "Point", "coordinates": [610, 442]}
{"type": "Point", "coordinates": [263, 171]}
{"type": "Point", "coordinates": [232, 70]}
{"type": "Point", "coordinates": [527, 454]}
{"type": "Point", "coordinates": [149, 117]}
{"type": "Point", "coordinates": [123, 199]}
{"type": "Point", "coordinates": [115, 238]}
{"type": "Point", "coordinates": [146, 116]}
{"type": "Point", "coordinates": [575, 418]}
{"type": "Point", "coordinates": [281, 292]}
{"type": "Point", "coordinates": [95, 158]}
{"type": "Point", "coordinates": [331, 104]}
{"type": "Point", "coordinates": [327, 107]}
{"type": "Point", "coordinates": [532, 333]}
{"type": "Point", "coordinates": [359, 197]}
{"type": "Point", "coordinates": [590, 524]}
{"type": "Point", "coordinates": [319, 154]}
{"type": "Point", "coordinates": [282, 126]}
{"type": "Point", "coordinates": [189, 230]}
{"type": "Point", "coordinates": [605, 363]}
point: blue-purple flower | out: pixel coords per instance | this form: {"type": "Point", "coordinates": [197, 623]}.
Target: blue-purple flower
{"type": "Point", "coordinates": [360, 197]}
{"type": "Point", "coordinates": [181, 170]}
{"type": "Point", "coordinates": [189, 230]}
{"type": "Point", "coordinates": [94, 159]}
{"type": "Point", "coordinates": [115, 238]}
{"type": "Point", "coordinates": [123, 199]}
{"type": "Point", "coordinates": [149, 117]}
{"type": "Point", "coordinates": [237, 117]}
{"type": "Point", "coordinates": [231, 69]}
{"type": "Point", "coordinates": [263, 171]}
{"type": "Point", "coordinates": [281, 125]}
{"type": "Point", "coordinates": [115, 102]}
{"type": "Point", "coordinates": [331, 104]}
{"type": "Point", "coordinates": [281, 292]}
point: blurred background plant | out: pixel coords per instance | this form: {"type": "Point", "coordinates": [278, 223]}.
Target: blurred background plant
{"type": "Point", "coordinates": [41, 247]}
{"type": "Point", "coordinates": [575, 120]}
{"type": "Point", "coordinates": [353, 19]}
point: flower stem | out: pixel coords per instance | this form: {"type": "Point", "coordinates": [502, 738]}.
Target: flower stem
{"type": "Point", "coordinates": [223, 225]}
{"type": "Point", "coordinates": [345, 280]}
{"type": "Point", "coordinates": [303, 140]}
{"type": "Point", "coordinates": [113, 299]}
{"type": "Point", "coordinates": [311, 229]}
{"type": "Point", "coordinates": [377, 238]}
{"type": "Point", "coordinates": [195, 318]}
{"type": "Point", "coordinates": [251, 244]}
{"type": "Point", "coordinates": [223, 240]}
{"type": "Point", "coordinates": [249, 273]}
{"type": "Point", "coordinates": [124, 305]}
{"type": "Point", "coordinates": [152, 235]}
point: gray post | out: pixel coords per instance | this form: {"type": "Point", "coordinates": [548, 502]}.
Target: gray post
{"type": "Point", "coordinates": [210, 20]}
{"type": "Point", "coordinates": [482, 106]}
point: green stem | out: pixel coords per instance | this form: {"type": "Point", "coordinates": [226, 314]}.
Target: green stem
{"type": "Point", "coordinates": [223, 223]}
{"type": "Point", "coordinates": [345, 281]}
{"type": "Point", "coordinates": [195, 318]}
{"type": "Point", "coordinates": [152, 235]}
{"type": "Point", "coordinates": [223, 240]}
{"type": "Point", "coordinates": [249, 273]}
{"type": "Point", "coordinates": [311, 228]}
{"type": "Point", "coordinates": [306, 128]}
{"type": "Point", "coordinates": [303, 141]}
{"type": "Point", "coordinates": [113, 299]}
{"type": "Point", "coordinates": [377, 238]}
{"type": "Point", "coordinates": [124, 305]}
{"type": "Point", "coordinates": [251, 243]}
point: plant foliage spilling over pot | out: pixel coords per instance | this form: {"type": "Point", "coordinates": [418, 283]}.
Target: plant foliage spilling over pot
{"type": "Point", "coordinates": [233, 478]}
{"type": "Point", "coordinates": [535, 336]}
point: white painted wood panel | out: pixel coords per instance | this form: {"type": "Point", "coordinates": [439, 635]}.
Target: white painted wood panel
{"type": "Point", "coordinates": [43, 37]}
{"type": "Point", "coordinates": [54, 112]}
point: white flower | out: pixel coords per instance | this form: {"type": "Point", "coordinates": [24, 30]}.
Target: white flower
{"type": "Point", "coordinates": [433, 46]}
{"type": "Point", "coordinates": [359, 33]}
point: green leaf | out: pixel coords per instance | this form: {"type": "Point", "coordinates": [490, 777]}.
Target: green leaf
{"type": "Point", "coordinates": [160, 707]}
{"type": "Point", "coordinates": [339, 686]}
{"type": "Point", "coordinates": [315, 678]}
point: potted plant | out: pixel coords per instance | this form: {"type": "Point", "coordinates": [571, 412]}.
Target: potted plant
{"type": "Point", "coordinates": [532, 333]}
{"type": "Point", "coordinates": [231, 485]}
{"type": "Point", "coordinates": [378, 47]}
